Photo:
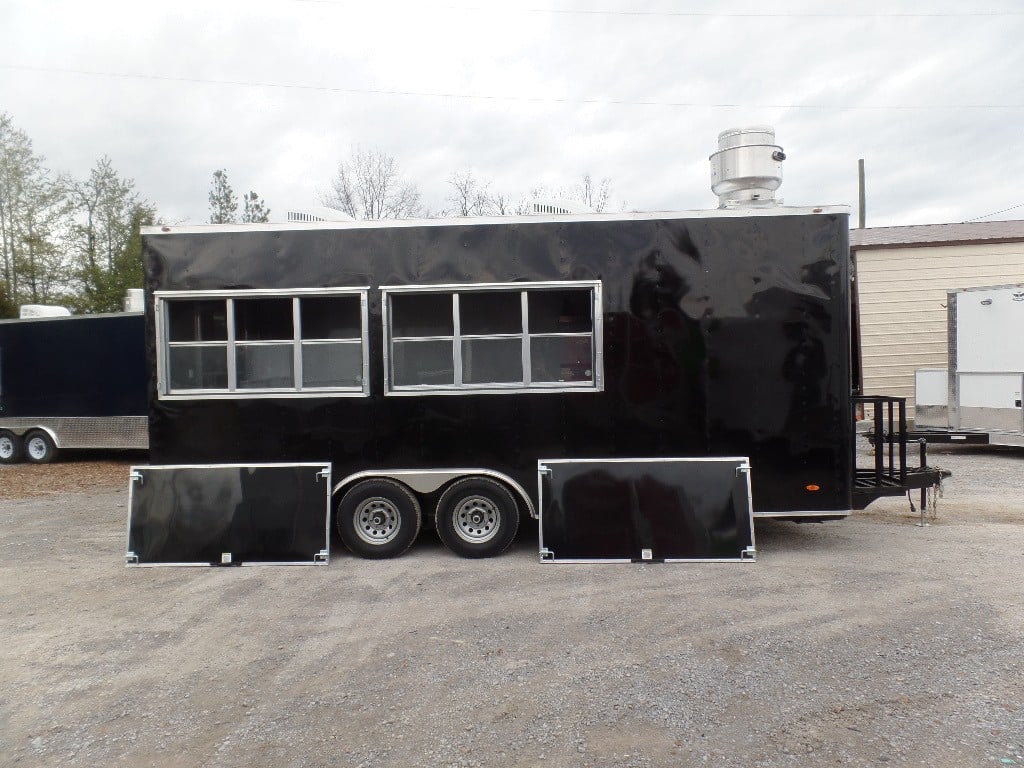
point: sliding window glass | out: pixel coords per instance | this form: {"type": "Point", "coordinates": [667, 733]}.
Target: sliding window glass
{"type": "Point", "coordinates": [251, 343]}
{"type": "Point", "coordinates": [494, 338]}
{"type": "Point", "coordinates": [264, 343]}
{"type": "Point", "coordinates": [423, 337]}
{"type": "Point", "coordinates": [197, 340]}
{"type": "Point", "coordinates": [332, 342]}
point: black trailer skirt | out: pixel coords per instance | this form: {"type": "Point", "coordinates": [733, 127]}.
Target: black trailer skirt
{"type": "Point", "coordinates": [645, 510]}
{"type": "Point", "coordinates": [229, 514]}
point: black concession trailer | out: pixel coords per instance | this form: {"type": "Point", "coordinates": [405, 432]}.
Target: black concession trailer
{"type": "Point", "coordinates": [596, 371]}
{"type": "Point", "coordinates": [72, 382]}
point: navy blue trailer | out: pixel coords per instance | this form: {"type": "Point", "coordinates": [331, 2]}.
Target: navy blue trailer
{"type": "Point", "coordinates": [72, 382]}
{"type": "Point", "coordinates": [434, 363]}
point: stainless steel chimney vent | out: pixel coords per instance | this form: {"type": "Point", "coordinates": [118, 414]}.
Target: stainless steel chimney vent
{"type": "Point", "coordinates": [747, 168]}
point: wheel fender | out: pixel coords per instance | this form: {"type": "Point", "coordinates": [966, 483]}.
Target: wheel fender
{"type": "Point", "coordinates": [48, 430]}
{"type": "Point", "coordinates": [425, 481]}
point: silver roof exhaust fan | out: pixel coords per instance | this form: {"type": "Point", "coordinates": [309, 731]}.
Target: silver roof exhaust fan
{"type": "Point", "coordinates": [747, 168]}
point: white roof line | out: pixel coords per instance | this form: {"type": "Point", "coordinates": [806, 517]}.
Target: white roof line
{"type": "Point", "coordinates": [716, 213]}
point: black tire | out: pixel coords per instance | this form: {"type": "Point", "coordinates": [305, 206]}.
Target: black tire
{"type": "Point", "coordinates": [477, 517]}
{"type": "Point", "coordinates": [39, 447]}
{"type": "Point", "coordinates": [378, 518]}
{"type": "Point", "coordinates": [11, 447]}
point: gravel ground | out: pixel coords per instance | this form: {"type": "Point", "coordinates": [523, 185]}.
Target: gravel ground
{"type": "Point", "coordinates": [867, 641]}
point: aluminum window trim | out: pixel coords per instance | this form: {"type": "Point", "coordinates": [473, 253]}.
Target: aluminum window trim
{"type": "Point", "coordinates": [327, 342]}
{"type": "Point", "coordinates": [456, 341]}
{"type": "Point", "coordinates": [449, 337]}
{"type": "Point", "coordinates": [527, 386]}
{"type": "Point", "coordinates": [479, 287]}
{"type": "Point", "coordinates": [233, 392]}
{"type": "Point", "coordinates": [283, 293]}
{"type": "Point", "coordinates": [296, 343]}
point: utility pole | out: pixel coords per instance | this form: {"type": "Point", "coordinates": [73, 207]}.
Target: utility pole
{"type": "Point", "coordinates": [863, 203]}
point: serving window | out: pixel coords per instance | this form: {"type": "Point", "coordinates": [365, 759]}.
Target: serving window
{"type": "Point", "coordinates": [522, 337]}
{"type": "Point", "coordinates": [260, 343]}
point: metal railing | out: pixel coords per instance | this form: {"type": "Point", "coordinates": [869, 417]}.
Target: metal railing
{"type": "Point", "coordinates": [888, 438]}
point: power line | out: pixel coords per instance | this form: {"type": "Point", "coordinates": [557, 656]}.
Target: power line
{"type": "Point", "coordinates": [703, 14]}
{"type": "Point", "coordinates": [505, 97]}
{"type": "Point", "coordinates": [994, 213]}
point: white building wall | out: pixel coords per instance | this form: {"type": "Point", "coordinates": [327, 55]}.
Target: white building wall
{"type": "Point", "coordinates": [903, 305]}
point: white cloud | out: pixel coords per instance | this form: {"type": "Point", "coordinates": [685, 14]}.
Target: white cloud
{"type": "Point", "coordinates": [922, 164]}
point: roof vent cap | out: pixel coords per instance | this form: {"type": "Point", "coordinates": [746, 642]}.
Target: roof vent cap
{"type": "Point", "coordinates": [747, 168]}
{"type": "Point", "coordinates": [556, 207]}
{"type": "Point", "coordinates": [316, 213]}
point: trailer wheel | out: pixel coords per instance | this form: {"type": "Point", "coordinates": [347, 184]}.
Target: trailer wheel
{"type": "Point", "coordinates": [477, 517]}
{"type": "Point", "coordinates": [11, 448]}
{"type": "Point", "coordinates": [39, 447]}
{"type": "Point", "coordinates": [378, 518]}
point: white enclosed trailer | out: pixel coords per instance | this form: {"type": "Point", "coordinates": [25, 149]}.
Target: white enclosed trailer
{"type": "Point", "coordinates": [977, 399]}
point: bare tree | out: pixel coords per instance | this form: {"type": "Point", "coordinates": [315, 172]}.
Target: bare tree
{"type": "Point", "coordinates": [594, 195]}
{"type": "Point", "coordinates": [369, 185]}
{"type": "Point", "coordinates": [470, 196]}
{"type": "Point", "coordinates": [502, 204]}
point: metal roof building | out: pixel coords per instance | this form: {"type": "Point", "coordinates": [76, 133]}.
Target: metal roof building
{"type": "Point", "coordinates": [903, 274]}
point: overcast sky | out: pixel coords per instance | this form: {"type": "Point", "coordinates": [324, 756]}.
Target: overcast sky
{"type": "Point", "coordinates": [525, 93]}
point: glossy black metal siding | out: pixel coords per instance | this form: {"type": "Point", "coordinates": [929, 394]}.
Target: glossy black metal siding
{"type": "Point", "coordinates": [254, 514]}
{"type": "Point", "coordinates": [74, 366]}
{"type": "Point", "coordinates": [722, 336]}
{"type": "Point", "coordinates": [677, 510]}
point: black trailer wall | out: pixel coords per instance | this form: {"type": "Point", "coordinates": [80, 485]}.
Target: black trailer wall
{"type": "Point", "coordinates": [723, 336]}
{"type": "Point", "coordinates": [88, 365]}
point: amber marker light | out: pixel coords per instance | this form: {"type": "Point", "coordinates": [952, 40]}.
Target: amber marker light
{"type": "Point", "coordinates": [812, 487]}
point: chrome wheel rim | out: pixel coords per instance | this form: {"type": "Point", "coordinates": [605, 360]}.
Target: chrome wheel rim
{"type": "Point", "coordinates": [36, 448]}
{"type": "Point", "coordinates": [377, 521]}
{"type": "Point", "coordinates": [6, 447]}
{"type": "Point", "coordinates": [476, 519]}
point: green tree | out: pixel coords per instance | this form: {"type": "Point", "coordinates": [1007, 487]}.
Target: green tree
{"type": "Point", "coordinates": [33, 214]}
{"type": "Point", "coordinates": [45, 272]}
{"type": "Point", "coordinates": [107, 287]}
{"type": "Point", "coordinates": [254, 209]}
{"type": "Point", "coordinates": [8, 307]}
{"type": "Point", "coordinates": [223, 203]}
{"type": "Point", "coordinates": [109, 212]}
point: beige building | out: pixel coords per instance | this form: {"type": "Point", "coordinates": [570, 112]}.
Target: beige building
{"type": "Point", "coordinates": [903, 274]}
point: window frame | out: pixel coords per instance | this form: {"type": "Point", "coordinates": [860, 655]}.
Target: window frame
{"type": "Point", "coordinates": [232, 391]}
{"type": "Point", "coordinates": [596, 337]}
